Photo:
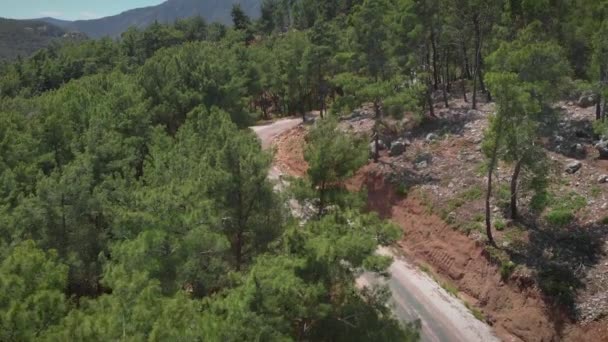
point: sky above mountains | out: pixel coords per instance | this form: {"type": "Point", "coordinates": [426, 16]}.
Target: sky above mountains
{"type": "Point", "coordinates": [69, 9]}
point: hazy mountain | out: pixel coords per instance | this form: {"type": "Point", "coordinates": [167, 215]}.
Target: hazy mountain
{"type": "Point", "coordinates": [23, 37]}
{"type": "Point", "coordinates": [167, 12]}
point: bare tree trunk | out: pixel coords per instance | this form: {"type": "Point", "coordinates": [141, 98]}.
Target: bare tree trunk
{"type": "Point", "coordinates": [474, 106]}
{"type": "Point", "coordinates": [514, 180]}
{"type": "Point", "coordinates": [465, 57]}
{"type": "Point", "coordinates": [448, 79]}
{"type": "Point", "coordinates": [377, 132]}
{"type": "Point", "coordinates": [239, 250]}
{"type": "Point", "coordinates": [491, 167]}
{"type": "Point", "coordinates": [435, 68]}
{"type": "Point", "coordinates": [477, 73]}
{"type": "Point", "coordinates": [322, 199]}
{"type": "Point", "coordinates": [444, 87]}
{"type": "Point", "coordinates": [429, 98]}
{"type": "Point", "coordinates": [481, 81]}
{"type": "Point", "coordinates": [464, 90]}
{"type": "Point", "coordinates": [598, 109]}
{"type": "Point", "coordinates": [488, 197]}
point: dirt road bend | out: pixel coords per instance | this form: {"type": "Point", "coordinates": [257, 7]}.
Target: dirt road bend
{"type": "Point", "coordinates": [415, 295]}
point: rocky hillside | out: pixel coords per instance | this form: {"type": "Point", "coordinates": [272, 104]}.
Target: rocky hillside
{"type": "Point", "coordinates": [23, 37]}
{"type": "Point", "coordinates": [167, 12]}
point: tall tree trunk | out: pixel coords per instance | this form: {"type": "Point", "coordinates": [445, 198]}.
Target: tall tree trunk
{"type": "Point", "coordinates": [481, 80]}
{"type": "Point", "coordinates": [514, 180]}
{"type": "Point", "coordinates": [429, 98]}
{"type": "Point", "coordinates": [435, 68]}
{"type": "Point", "coordinates": [598, 108]}
{"type": "Point", "coordinates": [447, 70]}
{"type": "Point", "coordinates": [489, 196]}
{"type": "Point", "coordinates": [377, 132]}
{"type": "Point", "coordinates": [477, 70]}
{"type": "Point", "coordinates": [239, 249]}
{"type": "Point", "coordinates": [321, 199]}
{"type": "Point", "coordinates": [465, 57]}
{"type": "Point", "coordinates": [474, 106]}
{"type": "Point", "coordinates": [491, 167]}
{"type": "Point", "coordinates": [464, 90]}
{"type": "Point", "coordinates": [444, 87]}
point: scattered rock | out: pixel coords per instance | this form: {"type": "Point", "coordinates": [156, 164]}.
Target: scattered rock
{"type": "Point", "coordinates": [578, 151]}
{"type": "Point", "coordinates": [431, 137]}
{"type": "Point", "coordinates": [397, 148]}
{"type": "Point", "coordinates": [573, 167]}
{"type": "Point", "coordinates": [602, 179]}
{"type": "Point", "coordinates": [473, 112]}
{"type": "Point", "coordinates": [602, 148]}
{"type": "Point", "coordinates": [586, 100]}
{"type": "Point", "coordinates": [422, 165]}
{"type": "Point", "coordinates": [558, 139]}
{"type": "Point", "coordinates": [427, 157]}
{"type": "Point", "coordinates": [372, 146]}
{"type": "Point", "coordinates": [581, 133]}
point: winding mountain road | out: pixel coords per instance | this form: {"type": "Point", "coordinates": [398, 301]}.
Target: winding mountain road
{"type": "Point", "coordinates": [415, 295]}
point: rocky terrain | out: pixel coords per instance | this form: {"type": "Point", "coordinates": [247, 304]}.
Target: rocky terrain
{"type": "Point", "coordinates": [545, 281]}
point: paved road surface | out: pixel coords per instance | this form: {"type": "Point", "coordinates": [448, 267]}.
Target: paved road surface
{"type": "Point", "coordinates": [415, 295]}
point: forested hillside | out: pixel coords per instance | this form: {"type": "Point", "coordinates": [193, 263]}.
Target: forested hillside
{"type": "Point", "coordinates": [134, 200]}
{"type": "Point", "coordinates": [24, 37]}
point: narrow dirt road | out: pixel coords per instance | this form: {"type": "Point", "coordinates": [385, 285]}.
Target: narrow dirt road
{"type": "Point", "coordinates": [267, 133]}
{"type": "Point", "coordinates": [416, 296]}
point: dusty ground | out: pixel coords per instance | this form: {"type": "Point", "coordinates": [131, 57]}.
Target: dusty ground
{"type": "Point", "coordinates": [441, 180]}
{"type": "Point", "coordinates": [289, 152]}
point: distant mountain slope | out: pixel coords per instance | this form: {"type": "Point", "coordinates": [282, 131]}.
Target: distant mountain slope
{"type": "Point", "coordinates": [24, 37]}
{"type": "Point", "coordinates": [167, 12]}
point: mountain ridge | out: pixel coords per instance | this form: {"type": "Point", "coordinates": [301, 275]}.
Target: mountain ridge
{"type": "Point", "coordinates": [166, 12]}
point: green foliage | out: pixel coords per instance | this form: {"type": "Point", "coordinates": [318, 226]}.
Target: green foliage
{"type": "Point", "coordinates": [451, 289]}
{"type": "Point", "coordinates": [506, 269]}
{"type": "Point", "coordinates": [559, 217]}
{"type": "Point", "coordinates": [129, 164]}
{"type": "Point", "coordinates": [333, 156]}
{"type": "Point", "coordinates": [476, 312]}
{"type": "Point", "coordinates": [31, 292]}
{"type": "Point", "coordinates": [499, 225]}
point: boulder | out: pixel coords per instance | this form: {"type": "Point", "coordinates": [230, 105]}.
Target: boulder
{"type": "Point", "coordinates": [397, 148]}
{"type": "Point", "coordinates": [586, 100]}
{"type": "Point", "coordinates": [573, 167]}
{"type": "Point", "coordinates": [422, 165]}
{"type": "Point", "coordinates": [602, 148]}
{"type": "Point", "coordinates": [431, 137]}
{"type": "Point", "coordinates": [602, 179]}
{"type": "Point", "coordinates": [372, 147]}
{"type": "Point", "coordinates": [578, 151]}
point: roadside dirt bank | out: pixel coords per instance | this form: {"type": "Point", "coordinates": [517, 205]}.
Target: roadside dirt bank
{"type": "Point", "coordinates": [515, 308]}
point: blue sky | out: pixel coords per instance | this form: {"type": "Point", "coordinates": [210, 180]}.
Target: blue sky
{"type": "Point", "coordinates": [68, 9]}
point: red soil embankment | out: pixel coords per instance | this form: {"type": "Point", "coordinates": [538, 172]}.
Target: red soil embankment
{"type": "Point", "coordinates": [516, 309]}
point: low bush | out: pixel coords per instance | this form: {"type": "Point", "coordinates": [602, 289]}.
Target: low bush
{"type": "Point", "coordinates": [560, 217]}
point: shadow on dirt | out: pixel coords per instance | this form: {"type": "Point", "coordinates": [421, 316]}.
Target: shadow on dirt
{"type": "Point", "coordinates": [561, 257]}
{"type": "Point", "coordinates": [570, 137]}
